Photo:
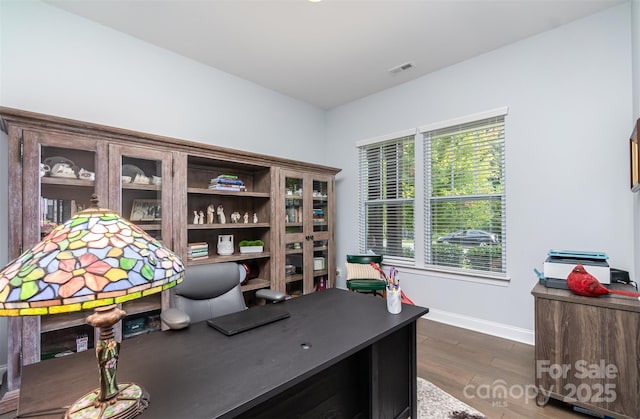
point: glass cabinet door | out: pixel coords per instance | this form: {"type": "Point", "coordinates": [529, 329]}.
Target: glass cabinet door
{"type": "Point", "coordinates": [64, 172]}
{"type": "Point", "coordinates": [295, 242]}
{"type": "Point", "coordinates": [308, 229]}
{"type": "Point", "coordinates": [143, 192]}
{"type": "Point", "coordinates": [321, 233]}
{"type": "Point", "coordinates": [141, 183]}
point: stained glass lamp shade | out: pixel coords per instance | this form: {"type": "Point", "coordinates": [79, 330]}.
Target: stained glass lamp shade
{"type": "Point", "coordinates": [96, 260]}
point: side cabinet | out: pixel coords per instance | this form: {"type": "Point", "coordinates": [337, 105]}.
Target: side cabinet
{"type": "Point", "coordinates": [587, 351]}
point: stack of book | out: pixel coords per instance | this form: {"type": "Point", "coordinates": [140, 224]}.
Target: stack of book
{"type": "Point", "coordinates": [227, 183]}
{"type": "Point", "coordinates": [318, 215]}
{"type": "Point", "coordinates": [198, 250]}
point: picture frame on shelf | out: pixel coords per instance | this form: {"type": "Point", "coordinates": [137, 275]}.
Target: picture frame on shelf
{"type": "Point", "coordinates": [146, 210]}
{"type": "Point", "coordinates": [634, 157]}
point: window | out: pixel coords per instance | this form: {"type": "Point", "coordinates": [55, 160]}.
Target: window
{"type": "Point", "coordinates": [387, 192]}
{"type": "Point", "coordinates": [464, 195]}
{"type": "Point", "coordinates": [453, 216]}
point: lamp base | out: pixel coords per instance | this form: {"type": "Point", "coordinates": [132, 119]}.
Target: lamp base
{"type": "Point", "coordinates": [130, 401]}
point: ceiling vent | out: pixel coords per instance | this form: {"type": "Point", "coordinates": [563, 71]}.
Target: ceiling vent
{"type": "Point", "coordinates": [402, 67]}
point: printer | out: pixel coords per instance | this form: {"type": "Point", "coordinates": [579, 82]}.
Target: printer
{"type": "Point", "coordinates": [560, 263]}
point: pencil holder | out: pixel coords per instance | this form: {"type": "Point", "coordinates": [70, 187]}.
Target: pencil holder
{"type": "Point", "coordinates": [394, 305]}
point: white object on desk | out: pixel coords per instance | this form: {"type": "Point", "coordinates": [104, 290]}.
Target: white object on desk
{"type": "Point", "coordinates": [394, 303]}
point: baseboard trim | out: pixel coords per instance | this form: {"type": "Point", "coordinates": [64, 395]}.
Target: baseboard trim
{"type": "Point", "coordinates": [483, 326]}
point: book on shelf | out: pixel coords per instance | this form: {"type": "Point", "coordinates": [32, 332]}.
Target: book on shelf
{"type": "Point", "coordinates": [227, 183]}
{"type": "Point", "coordinates": [228, 188]}
{"type": "Point", "coordinates": [56, 211]}
{"type": "Point", "coordinates": [198, 255]}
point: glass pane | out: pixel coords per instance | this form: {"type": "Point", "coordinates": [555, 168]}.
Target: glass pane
{"type": "Point", "coordinates": [389, 228]}
{"type": "Point", "coordinates": [67, 182]}
{"type": "Point", "coordinates": [294, 205]}
{"type": "Point", "coordinates": [320, 206]}
{"type": "Point", "coordinates": [467, 233]}
{"type": "Point", "coordinates": [320, 272]}
{"type": "Point", "coordinates": [294, 268]}
{"type": "Point", "coordinates": [142, 193]}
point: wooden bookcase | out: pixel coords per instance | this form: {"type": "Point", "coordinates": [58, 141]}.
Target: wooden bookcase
{"type": "Point", "coordinates": [176, 183]}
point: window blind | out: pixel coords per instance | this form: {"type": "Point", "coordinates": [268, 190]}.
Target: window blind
{"type": "Point", "coordinates": [386, 194]}
{"type": "Point", "coordinates": [465, 196]}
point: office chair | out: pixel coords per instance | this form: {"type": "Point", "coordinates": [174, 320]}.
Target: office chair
{"type": "Point", "coordinates": [209, 291]}
{"type": "Point", "coordinates": [362, 277]}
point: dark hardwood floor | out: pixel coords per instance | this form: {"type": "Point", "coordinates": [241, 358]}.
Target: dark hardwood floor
{"type": "Point", "coordinates": [474, 366]}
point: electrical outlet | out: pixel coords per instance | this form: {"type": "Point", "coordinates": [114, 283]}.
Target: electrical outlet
{"type": "Point", "coordinates": [338, 272]}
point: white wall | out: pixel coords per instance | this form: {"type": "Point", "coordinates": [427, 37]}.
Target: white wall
{"type": "Point", "coordinates": [569, 99]}
{"type": "Point", "coordinates": [57, 63]}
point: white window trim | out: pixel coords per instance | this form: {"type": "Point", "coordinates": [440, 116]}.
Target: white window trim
{"type": "Point", "coordinates": [387, 137]}
{"type": "Point", "coordinates": [503, 111]}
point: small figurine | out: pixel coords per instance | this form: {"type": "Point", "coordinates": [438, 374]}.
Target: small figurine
{"type": "Point", "coordinates": [221, 217]}
{"type": "Point", "coordinates": [201, 221]}
{"type": "Point", "coordinates": [210, 211]}
{"type": "Point", "coordinates": [235, 217]}
{"type": "Point", "coordinates": [196, 217]}
{"type": "Point", "coordinates": [246, 218]}
{"type": "Point", "coordinates": [255, 218]}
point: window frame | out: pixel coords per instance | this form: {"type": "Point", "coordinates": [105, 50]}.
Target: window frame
{"type": "Point", "coordinates": [421, 200]}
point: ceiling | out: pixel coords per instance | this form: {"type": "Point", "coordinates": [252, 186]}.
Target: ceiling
{"type": "Point", "coordinates": [335, 51]}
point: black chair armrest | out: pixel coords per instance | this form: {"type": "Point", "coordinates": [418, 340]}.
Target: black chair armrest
{"type": "Point", "coordinates": [175, 319]}
{"type": "Point", "coordinates": [271, 295]}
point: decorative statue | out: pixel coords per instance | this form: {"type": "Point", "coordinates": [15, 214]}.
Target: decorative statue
{"type": "Point", "coordinates": [221, 217]}
{"type": "Point", "coordinates": [235, 217]}
{"type": "Point", "coordinates": [211, 209]}
{"type": "Point", "coordinates": [196, 217]}
{"type": "Point", "coordinates": [201, 218]}
{"type": "Point", "coordinates": [246, 218]}
{"type": "Point", "coordinates": [255, 218]}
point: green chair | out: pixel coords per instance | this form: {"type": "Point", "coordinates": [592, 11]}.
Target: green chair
{"type": "Point", "coordinates": [362, 277]}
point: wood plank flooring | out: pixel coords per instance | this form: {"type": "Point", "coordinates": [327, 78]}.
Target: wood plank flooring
{"type": "Point", "coordinates": [471, 366]}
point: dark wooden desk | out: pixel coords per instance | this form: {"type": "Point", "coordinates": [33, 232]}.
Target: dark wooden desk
{"type": "Point", "coordinates": [359, 361]}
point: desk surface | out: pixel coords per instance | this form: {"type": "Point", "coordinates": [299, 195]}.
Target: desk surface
{"type": "Point", "coordinates": [218, 376]}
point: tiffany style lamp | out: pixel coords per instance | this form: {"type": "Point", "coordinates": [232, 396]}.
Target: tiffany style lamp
{"type": "Point", "coordinates": [96, 260]}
